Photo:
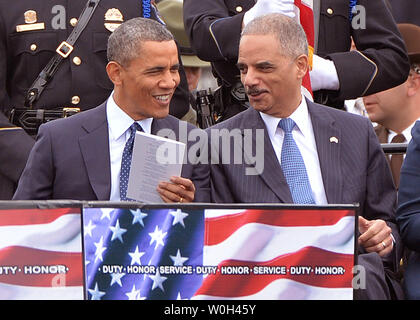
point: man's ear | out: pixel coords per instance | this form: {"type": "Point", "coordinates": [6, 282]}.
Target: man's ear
{"type": "Point", "coordinates": [413, 84]}
{"type": "Point", "coordinates": [114, 71]}
{"type": "Point", "coordinates": [302, 63]}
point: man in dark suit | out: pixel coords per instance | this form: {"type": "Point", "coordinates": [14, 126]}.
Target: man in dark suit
{"type": "Point", "coordinates": [296, 151]}
{"type": "Point", "coordinates": [408, 213]}
{"type": "Point", "coordinates": [380, 63]}
{"type": "Point", "coordinates": [82, 157]}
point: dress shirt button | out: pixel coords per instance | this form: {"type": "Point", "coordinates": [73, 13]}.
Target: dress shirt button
{"type": "Point", "coordinates": [330, 11]}
{"type": "Point", "coordinates": [75, 100]}
{"type": "Point", "coordinates": [239, 9]}
{"type": "Point", "coordinates": [33, 47]}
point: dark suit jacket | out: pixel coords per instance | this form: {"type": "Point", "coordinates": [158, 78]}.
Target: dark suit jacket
{"type": "Point", "coordinates": [408, 213]}
{"type": "Point", "coordinates": [70, 160]}
{"type": "Point", "coordinates": [354, 170]}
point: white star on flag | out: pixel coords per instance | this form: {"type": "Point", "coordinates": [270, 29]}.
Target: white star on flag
{"type": "Point", "coordinates": [158, 281]}
{"type": "Point", "coordinates": [117, 232]}
{"type": "Point", "coordinates": [116, 278]}
{"type": "Point", "coordinates": [138, 216]}
{"type": "Point", "coordinates": [135, 256]}
{"type": "Point", "coordinates": [178, 260]}
{"type": "Point", "coordinates": [89, 228]}
{"type": "Point", "coordinates": [99, 249]}
{"type": "Point", "coordinates": [134, 294]}
{"type": "Point", "coordinates": [179, 217]}
{"type": "Point", "coordinates": [106, 213]}
{"type": "Point", "coordinates": [96, 294]}
{"type": "Point", "coordinates": [178, 297]}
{"type": "Point", "coordinates": [157, 236]}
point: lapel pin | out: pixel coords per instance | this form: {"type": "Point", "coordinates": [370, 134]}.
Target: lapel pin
{"type": "Point", "coordinates": [333, 139]}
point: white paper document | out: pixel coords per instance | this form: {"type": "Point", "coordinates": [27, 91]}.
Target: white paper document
{"type": "Point", "coordinates": [155, 159]}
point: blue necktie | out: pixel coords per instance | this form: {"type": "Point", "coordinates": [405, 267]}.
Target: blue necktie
{"type": "Point", "coordinates": [126, 161]}
{"type": "Point", "coordinates": [293, 166]}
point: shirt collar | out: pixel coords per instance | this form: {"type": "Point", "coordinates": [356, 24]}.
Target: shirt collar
{"type": "Point", "coordinates": [406, 133]}
{"type": "Point", "coordinates": [119, 121]}
{"type": "Point", "coordinates": [300, 116]}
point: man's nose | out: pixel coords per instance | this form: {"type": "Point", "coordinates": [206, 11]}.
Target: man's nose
{"type": "Point", "coordinates": [249, 79]}
{"type": "Point", "coordinates": [170, 79]}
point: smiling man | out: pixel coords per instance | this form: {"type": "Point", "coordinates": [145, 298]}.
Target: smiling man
{"type": "Point", "coordinates": [312, 154]}
{"type": "Point", "coordinates": [88, 156]}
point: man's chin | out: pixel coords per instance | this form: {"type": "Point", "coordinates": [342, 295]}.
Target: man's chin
{"type": "Point", "coordinates": [162, 113]}
{"type": "Point", "coordinates": [260, 107]}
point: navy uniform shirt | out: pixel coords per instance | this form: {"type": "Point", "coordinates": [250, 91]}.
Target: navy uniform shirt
{"type": "Point", "coordinates": [30, 32]}
{"type": "Point", "coordinates": [214, 28]}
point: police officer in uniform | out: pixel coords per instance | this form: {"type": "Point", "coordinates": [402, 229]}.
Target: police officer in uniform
{"type": "Point", "coordinates": [30, 33]}
{"type": "Point", "coordinates": [214, 28]}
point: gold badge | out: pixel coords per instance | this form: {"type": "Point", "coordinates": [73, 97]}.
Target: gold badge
{"type": "Point", "coordinates": [30, 25]}
{"type": "Point", "coordinates": [30, 16]}
{"type": "Point", "coordinates": [113, 18]}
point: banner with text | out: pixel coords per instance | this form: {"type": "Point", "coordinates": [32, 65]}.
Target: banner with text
{"type": "Point", "coordinates": [41, 254]}
{"type": "Point", "coordinates": [134, 252]}
{"type": "Point", "coordinates": [223, 253]}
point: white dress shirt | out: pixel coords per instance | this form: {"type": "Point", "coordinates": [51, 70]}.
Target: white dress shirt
{"type": "Point", "coordinates": [303, 134]}
{"type": "Point", "coordinates": [118, 128]}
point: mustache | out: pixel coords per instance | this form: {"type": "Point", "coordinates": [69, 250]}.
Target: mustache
{"type": "Point", "coordinates": [254, 91]}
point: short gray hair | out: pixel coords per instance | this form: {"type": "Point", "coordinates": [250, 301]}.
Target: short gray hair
{"type": "Point", "coordinates": [290, 34]}
{"type": "Point", "coordinates": [124, 44]}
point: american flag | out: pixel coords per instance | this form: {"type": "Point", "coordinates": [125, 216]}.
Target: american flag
{"type": "Point", "coordinates": [279, 254]}
{"type": "Point", "coordinates": [41, 254]}
{"type": "Point", "coordinates": [305, 16]}
{"type": "Point", "coordinates": [143, 253]}
{"type": "Point", "coordinates": [181, 254]}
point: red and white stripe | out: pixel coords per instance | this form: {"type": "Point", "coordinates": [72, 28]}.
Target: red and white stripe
{"type": "Point", "coordinates": [305, 16]}
{"type": "Point", "coordinates": [41, 237]}
{"type": "Point", "coordinates": [288, 238]}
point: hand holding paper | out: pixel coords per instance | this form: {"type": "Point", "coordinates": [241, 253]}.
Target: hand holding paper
{"type": "Point", "coordinates": [155, 162]}
{"type": "Point", "coordinates": [179, 190]}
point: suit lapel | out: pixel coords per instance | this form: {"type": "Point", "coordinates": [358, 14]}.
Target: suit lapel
{"type": "Point", "coordinates": [327, 138]}
{"type": "Point", "coordinates": [272, 174]}
{"type": "Point", "coordinates": [94, 147]}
